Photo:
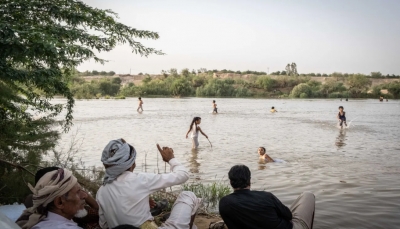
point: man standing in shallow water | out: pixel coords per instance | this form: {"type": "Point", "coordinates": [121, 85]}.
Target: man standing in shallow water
{"type": "Point", "coordinates": [215, 109]}
{"type": "Point", "coordinates": [249, 209]}
{"type": "Point", "coordinates": [140, 105]}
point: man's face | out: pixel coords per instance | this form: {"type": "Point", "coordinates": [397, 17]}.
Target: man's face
{"type": "Point", "coordinates": [75, 201]}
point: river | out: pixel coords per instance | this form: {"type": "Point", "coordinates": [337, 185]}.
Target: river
{"type": "Point", "coordinates": [354, 173]}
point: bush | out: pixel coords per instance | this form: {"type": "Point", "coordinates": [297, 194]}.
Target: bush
{"type": "Point", "coordinates": [335, 95]}
{"type": "Point", "coordinates": [265, 82]}
{"type": "Point", "coordinates": [216, 87]}
{"type": "Point", "coordinates": [299, 89]}
{"type": "Point", "coordinates": [242, 92]}
{"type": "Point", "coordinates": [303, 95]}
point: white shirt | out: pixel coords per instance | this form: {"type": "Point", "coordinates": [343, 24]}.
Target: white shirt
{"type": "Point", "coordinates": [56, 221]}
{"type": "Point", "coordinates": [195, 133]}
{"type": "Point", "coordinates": [126, 199]}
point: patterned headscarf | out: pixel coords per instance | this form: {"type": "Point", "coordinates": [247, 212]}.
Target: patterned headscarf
{"type": "Point", "coordinates": [51, 185]}
{"type": "Point", "coordinates": [118, 156]}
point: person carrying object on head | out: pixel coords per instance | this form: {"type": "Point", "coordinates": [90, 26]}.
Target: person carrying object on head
{"type": "Point", "coordinates": [124, 195]}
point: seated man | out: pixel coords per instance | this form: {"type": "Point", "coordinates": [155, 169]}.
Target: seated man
{"type": "Point", "coordinates": [124, 196]}
{"type": "Point", "coordinates": [87, 218]}
{"type": "Point", "coordinates": [258, 209]}
{"type": "Point", "coordinates": [57, 197]}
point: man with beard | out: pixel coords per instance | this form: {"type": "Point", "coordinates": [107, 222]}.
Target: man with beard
{"type": "Point", "coordinates": [56, 198]}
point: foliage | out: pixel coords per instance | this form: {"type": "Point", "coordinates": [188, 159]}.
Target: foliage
{"type": "Point", "coordinates": [181, 87]}
{"type": "Point", "coordinates": [301, 89]}
{"type": "Point", "coordinates": [332, 85]}
{"type": "Point", "coordinates": [216, 87]}
{"type": "Point", "coordinates": [376, 74]}
{"type": "Point", "coordinates": [96, 73]}
{"type": "Point", "coordinates": [96, 88]}
{"type": "Point", "coordinates": [266, 82]}
{"type": "Point", "coordinates": [41, 43]}
{"type": "Point", "coordinates": [210, 193]}
{"type": "Point", "coordinates": [358, 83]}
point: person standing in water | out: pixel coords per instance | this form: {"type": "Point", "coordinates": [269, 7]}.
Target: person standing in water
{"type": "Point", "coordinates": [264, 156]}
{"type": "Point", "coordinates": [215, 109]}
{"type": "Point", "coordinates": [273, 110]}
{"type": "Point", "coordinates": [195, 129]}
{"type": "Point", "coordinates": [342, 117]}
{"type": "Point", "coordinates": [140, 105]}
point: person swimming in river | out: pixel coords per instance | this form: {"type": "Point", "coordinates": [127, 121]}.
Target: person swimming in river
{"type": "Point", "coordinates": [215, 109]}
{"type": "Point", "coordinates": [195, 129]}
{"type": "Point", "coordinates": [341, 117]}
{"type": "Point", "coordinates": [140, 105]}
{"type": "Point", "coordinates": [273, 110]}
{"type": "Point", "coordinates": [264, 156]}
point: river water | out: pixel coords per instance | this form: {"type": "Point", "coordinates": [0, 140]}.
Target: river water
{"type": "Point", "coordinates": [354, 173]}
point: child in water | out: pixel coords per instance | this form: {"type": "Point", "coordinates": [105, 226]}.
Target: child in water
{"type": "Point", "coordinates": [273, 110]}
{"type": "Point", "coordinates": [215, 109]}
{"type": "Point", "coordinates": [341, 117]}
{"type": "Point", "coordinates": [195, 129]}
{"type": "Point", "coordinates": [264, 156]}
{"type": "Point", "coordinates": [140, 104]}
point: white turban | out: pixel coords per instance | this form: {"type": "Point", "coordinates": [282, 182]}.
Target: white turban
{"type": "Point", "coordinates": [118, 157]}
{"type": "Point", "coordinates": [51, 185]}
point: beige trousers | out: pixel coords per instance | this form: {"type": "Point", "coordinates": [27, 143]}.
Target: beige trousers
{"type": "Point", "coordinates": [303, 210]}
{"type": "Point", "coordinates": [184, 207]}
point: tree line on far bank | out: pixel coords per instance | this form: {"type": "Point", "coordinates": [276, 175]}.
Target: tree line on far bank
{"type": "Point", "coordinates": [187, 83]}
{"type": "Point", "coordinates": [186, 71]}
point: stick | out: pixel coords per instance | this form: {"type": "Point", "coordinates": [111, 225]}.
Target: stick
{"type": "Point", "coordinates": [209, 142]}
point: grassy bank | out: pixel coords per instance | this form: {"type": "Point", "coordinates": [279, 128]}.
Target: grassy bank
{"type": "Point", "coordinates": [262, 86]}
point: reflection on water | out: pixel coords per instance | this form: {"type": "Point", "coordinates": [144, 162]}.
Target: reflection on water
{"type": "Point", "coordinates": [194, 165]}
{"type": "Point", "coordinates": [354, 180]}
{"type": "Point", "coordinates": [341, 138]}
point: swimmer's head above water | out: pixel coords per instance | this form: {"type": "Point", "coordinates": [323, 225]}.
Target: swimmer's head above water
{"type": "Point", "coordinates": [341, 108]}
{"type": "Point", "coordinates": [272, 107]}
{"type": "Point", "coordinates": [261, 151]}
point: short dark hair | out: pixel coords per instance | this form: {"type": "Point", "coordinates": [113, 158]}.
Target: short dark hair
{"type": "Point", "coordinates": [140, 98]}
{"type": "Point", "coordinates": [240, 176]}
{"type": "Point", "coordinates": [273, 108]}
{"type": "Point", "coordinates": [341, 107]}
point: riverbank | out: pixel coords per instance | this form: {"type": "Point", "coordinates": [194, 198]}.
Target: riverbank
{"type": "Point", "coordinates": [247, 86]}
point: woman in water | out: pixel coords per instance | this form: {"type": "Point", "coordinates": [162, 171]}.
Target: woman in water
{"type": "Point", "coordinates": [195, 129]}
{"type": "Point", "coordinates": [273, 110]}
{"type": "Point", "coordinates": [264, 156]}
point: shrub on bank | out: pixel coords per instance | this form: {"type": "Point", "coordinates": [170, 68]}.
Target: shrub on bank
{"type": "Point", "coordinates": [302, 88]}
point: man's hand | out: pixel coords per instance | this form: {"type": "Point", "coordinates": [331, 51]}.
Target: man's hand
{"type": "Point", "coordinates": [152, 203]}
{"type": "Point", "coordinates": [166, 153]}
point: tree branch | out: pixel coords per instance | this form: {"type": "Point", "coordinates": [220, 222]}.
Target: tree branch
{"type": "Point", "coordinates": [16, 166]}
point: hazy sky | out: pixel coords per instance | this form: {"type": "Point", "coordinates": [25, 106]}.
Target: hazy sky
{"type": "Point", "coordinates": [321, 36]}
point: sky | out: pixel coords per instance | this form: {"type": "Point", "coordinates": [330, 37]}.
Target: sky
{"type": "Point", "coordinates": [348, 36]}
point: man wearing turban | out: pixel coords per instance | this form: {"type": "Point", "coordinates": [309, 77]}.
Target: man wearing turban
{"type": "Point", "coordinates": [57, 197]}
{"type": "Point", "coordinates": [124, 196]}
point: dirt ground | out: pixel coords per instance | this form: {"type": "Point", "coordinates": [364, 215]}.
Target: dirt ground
{"type": "Point", "coordinates": [203, 221]}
